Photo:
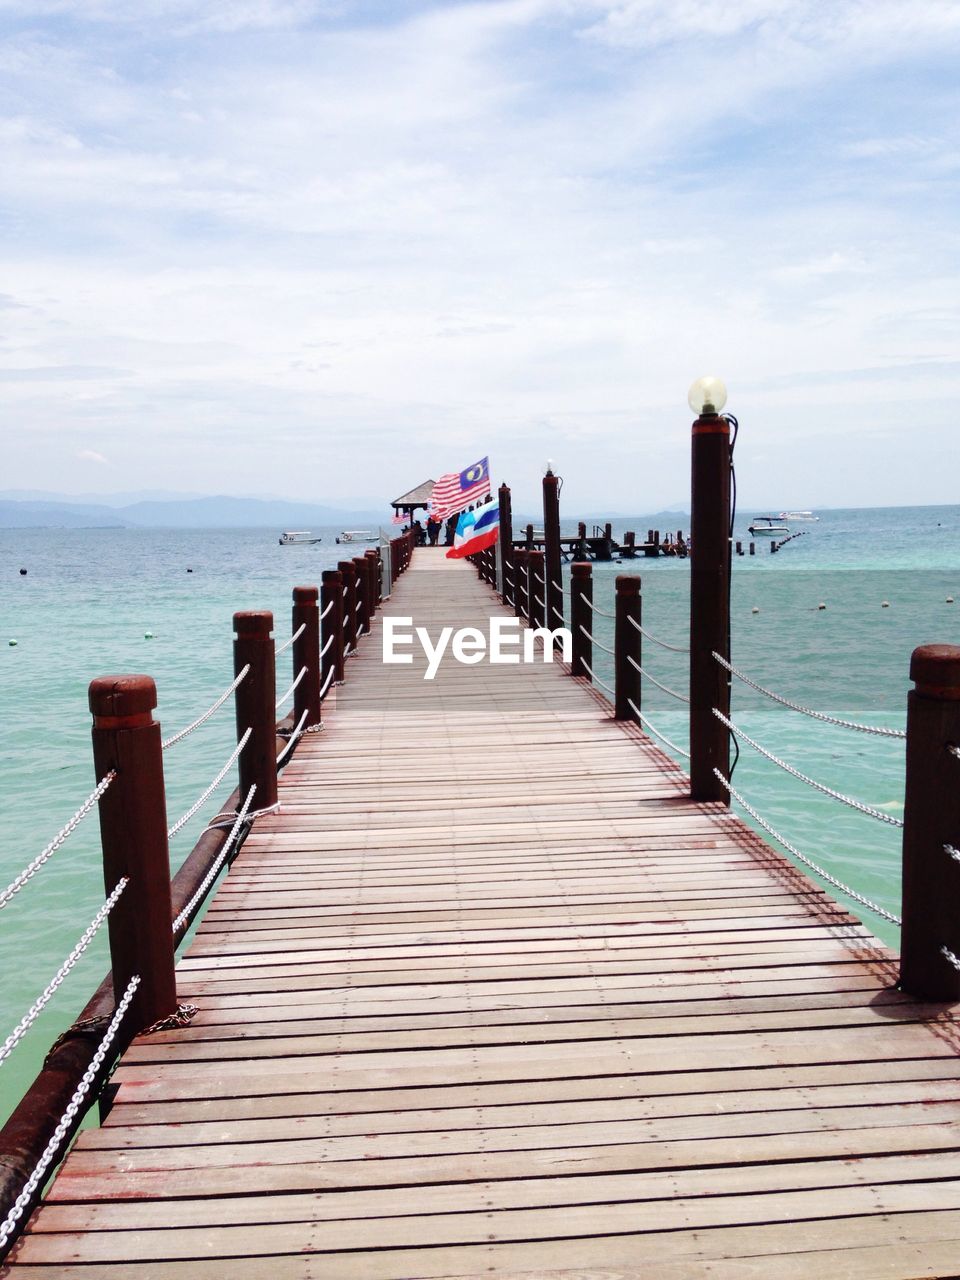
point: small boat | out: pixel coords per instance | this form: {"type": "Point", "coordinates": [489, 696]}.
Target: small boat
{"type": "Point", "coordinates": [798, 515]}
{"type": "Point", "coordinates": [297, 537]}
{"type": "Point", "coordinates": [357, 535]}
{"type": "Point", "coordinates": [767, 525]}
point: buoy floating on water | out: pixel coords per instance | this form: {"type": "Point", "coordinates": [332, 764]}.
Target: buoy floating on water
{"type": "Point", "coordinates": [949, 599]}
{"type": "Point", "coordinates": [23, 573]}
{"type": "Point", "coordinates": [821, 605]}
{"type": "Point", "coordinates": [884, 604]}
{"type": "Point", "coordinates": [148, 635]}
{"type": "Point", "coordinates": [754, 609]}
{"type": "Point", "coordinates": [12, 644]}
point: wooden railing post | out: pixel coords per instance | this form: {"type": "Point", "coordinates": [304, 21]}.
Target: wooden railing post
{"type": "Point", "coordinates": [709, 606]}
{"type": "Point", "coordinates": [931, 826]}
{"type": "Point", "coordinates": [133, 832]}
{"type": "Point", "coordinates": [306, 653]}
{"type": "Point", "coordinates": [331, 593]}
{"type": "Point", "coordinates": [537, 580]}
{"type": "Point", "coordinates": [627, 645]}
{"type": "Point", "coordinates": [376, 576]}
{"type": "Point", "coordinates": [348, 571]}
{"type": "Point", "coordinates": [256, 699]}
{"type": "Point", "coordinates": [553, 572]}
{"type": "Point", "coordinates": [363, 594]}
{"type": "Point", "coordinates": [581, 616]}
{"type": "Point", "coordinates": [506, 544]}
{"type": "Point", "coordinates": [520, 582]}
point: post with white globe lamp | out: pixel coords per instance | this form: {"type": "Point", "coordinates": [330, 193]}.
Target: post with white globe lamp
{"type": "Point", "coordinates": [709, 590]}
{"type": "Point", "coordinates": [553, 588]}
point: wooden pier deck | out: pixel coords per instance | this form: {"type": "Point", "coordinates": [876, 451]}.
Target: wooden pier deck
{"type": "Point", "coordinates": [490, 997]}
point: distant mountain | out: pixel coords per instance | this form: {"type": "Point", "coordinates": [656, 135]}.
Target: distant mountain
{"type": "Point", "coordinates": [182, 513]}
{"type": "Point", "coordinates": [57, 515]}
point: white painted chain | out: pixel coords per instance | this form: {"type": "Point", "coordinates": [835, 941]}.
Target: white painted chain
{"type": "Point", "coordinates": [586, 632]}
{"type": "Point", "coordinates": [16, 885]}
{"type": "Point", "coordinates": [323, 651]}
{"type": "Point", "coordinates": [326, 610]}
{"type": "Point", "coordinates": [596, 608]}
{"type": "Point", "coordinates": [218, 862]}
{"type": "Point", "coordinates": [197, 805]}
{"type": "Point", "coordinates": [656, 732]}
{"type": "Point", "coordinates": [30, 1017]}
{"type": "Point", "coordinates": [596, 679]}
{"type": "Point", "coordinates": [558, 586]}
{"type": "Point", "coordinates": [817, 715]}
{"type": "Point", "coordinates": [287, 643]}
{"type": "Point", "coordinates": [283, 697]}
{"type": "Point", "coordinates": [539, 601]}
{"type": "Point", "coordinates": [662, 643]}
{"type": "Point", "coordinates": [811, 782]}
{"type": "Point", "coordinates": [825, 875]}
{"type": "Point", "coordinates": [948, 955]}
{"type": "Point", "coordinates": [326, 684]}
{"type": "Point", "coordinates": [178, 737]}
{"type": "Point", "coordinates": [293, 737]}
{"type": "Point", "coordinates": [680, 697]}
{"type": "Point", "coordinates": [25, 1197]}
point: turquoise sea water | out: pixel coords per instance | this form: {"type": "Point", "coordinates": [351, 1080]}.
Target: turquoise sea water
{"type": "Point", "coordinates": [90, 596]}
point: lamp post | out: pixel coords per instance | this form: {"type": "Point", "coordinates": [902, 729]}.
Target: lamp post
{"type": "Point", "coordinates": [709, 590]}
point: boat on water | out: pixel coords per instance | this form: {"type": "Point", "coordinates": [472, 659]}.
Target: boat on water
{"type": "Point", "coordinates": [298, 537]}
{"type": "Point", "coordinates": [798, 515]}
{"type": "Point", "coordinates": [357, 535]}
{"type": "Point", "coordinates": [767, 526]}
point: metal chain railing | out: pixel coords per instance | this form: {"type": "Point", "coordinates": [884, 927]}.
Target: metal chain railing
{"type": "Point", "coordinates": [811, 782]}
{"type": "Point", "coordinates": [178, 737]}
{"type": "Point", "coordinates": [198, 804]}
{"type": "Point", "coordinates": [662, 643]}
{"type": "Point", "coordinates": [287, 643]}
{"type": "Point", "coordinates": [290, 692]}
{"type": "Point", "coordinates": [949, 956]}
{"type": "Point", "coordinates": [656, 732]}
{"type": "Point", "coordinates": [596, 679]}
{"type": "Point", "coordinates": [218, 862]}
{"type": "Point", "coordinates": [293, 738]}
{"type": "Point", "coordinates": [59, 839]}
{"type": "Point", "coordinates": [807, 862]}
{"type": "Point", "coordinates": [36, 1179]}
{"type": "Point", "coordinates": [30, 1017]}
{"type": "Point", "coordinates": [807, 711]}
{"type": "Point", "coordinates": [680, 697]}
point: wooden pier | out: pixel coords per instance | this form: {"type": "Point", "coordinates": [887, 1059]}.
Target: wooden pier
{"type": "Point", "coordinates": [491, 996]}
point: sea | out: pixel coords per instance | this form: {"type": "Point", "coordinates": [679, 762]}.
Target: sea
{"type": "Point", "coordinates": [829, 622]}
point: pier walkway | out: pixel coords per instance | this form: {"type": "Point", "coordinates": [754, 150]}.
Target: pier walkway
{"type": "Point", "coordinates": [489, 996]}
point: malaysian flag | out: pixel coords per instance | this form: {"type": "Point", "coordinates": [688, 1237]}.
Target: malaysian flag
{"type": "Point", "coordinates": [453, 492]}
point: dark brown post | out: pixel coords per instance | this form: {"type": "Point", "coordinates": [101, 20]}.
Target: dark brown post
{"type": "Point", "coordinates": [581, 616]}
{"type": "Point", "coordinates": [553, 593]}
{"type": "Point", "coordinates": [520, 582]}
{"type": "Point", "coordinates": [331, 597]}
{"type": "Point", "coordinates": [506, 544]}
{"type": "Point", "coordinates": [256, 699]}
{"type": "Point", "coordinates": [348, 571]}
{"type": "Point", "coordinates": [536, 588]}
{"type": "Point", "coordinates": [627, 645]}
{"type": "Point", "coordinates": [133, 832]}
{"type": "Point", "coordinates": [363, 595]}
{"type": "Point", "coordinates": [306, 653]}
{"type": "Point", "coordinates": [709, 606]}
{"type": "Point", "coordinates": [931, 826]}
{"type": "Point", "coordinates": [373, 568]}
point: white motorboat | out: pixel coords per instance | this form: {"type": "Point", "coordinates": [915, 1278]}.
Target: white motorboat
{"type": "Point", "coordinates": [798, 515]}
{"type": "Point", "coordinates": [297, 537]}
{"type": "Point", "coordinates": [767, 526]}
{"type": "Point", "coordinates": [357, 535]}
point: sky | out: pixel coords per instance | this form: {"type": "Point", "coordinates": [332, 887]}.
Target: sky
{"type": "Point", "coordinates": [327, 250]}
